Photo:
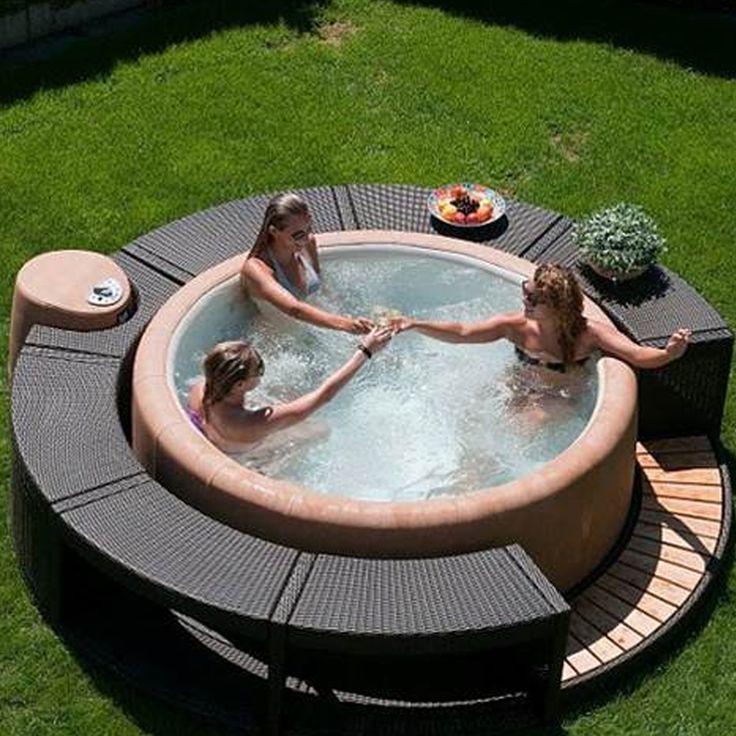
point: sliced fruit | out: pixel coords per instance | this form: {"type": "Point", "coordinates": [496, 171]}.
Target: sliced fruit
{"type": "Point", "coordinates": [484, 213]}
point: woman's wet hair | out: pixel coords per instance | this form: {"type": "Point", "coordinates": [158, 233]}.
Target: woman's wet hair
{"type": "Point", "coordinates": [558, 288]}
{"type": "Point", "coordinates": [225, 365]}
{"type": "Point", "coordinates": [278, 211]}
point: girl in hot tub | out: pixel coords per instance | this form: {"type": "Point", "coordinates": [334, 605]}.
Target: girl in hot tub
{"type": "Point", "coordinates": [282, 267]}
{"type": "Point", "coordinates": [231, 369]}
{"type": "Point", "coordinates": [552, 333]}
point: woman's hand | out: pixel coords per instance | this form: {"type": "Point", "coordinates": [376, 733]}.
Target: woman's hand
{"type": "Point", "coordinates": [358, 325]}
{"type": "Point", "coordinates": [678, 342]}
{"type": "Point", "coordinates": [400, 324]}
{"type": "Point", "coordinates": [377, 339]}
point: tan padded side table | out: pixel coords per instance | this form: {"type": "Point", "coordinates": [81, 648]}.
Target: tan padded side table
{"type": "Point", "coordinates": [55, 289]}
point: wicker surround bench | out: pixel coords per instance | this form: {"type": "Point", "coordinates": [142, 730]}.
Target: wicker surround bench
{"type": "Point", "coordinates": [82, 506]}
{"type": "Point", "coordinates": [491, 614]}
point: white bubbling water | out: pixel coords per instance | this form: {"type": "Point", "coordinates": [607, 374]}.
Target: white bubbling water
{"type": "Point", "coordinates": [424, 418]}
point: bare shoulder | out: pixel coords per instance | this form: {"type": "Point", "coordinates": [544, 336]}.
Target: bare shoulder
{"type": "Point", "coordinates": [196, 394]}
{"type": "Point", "coordinates": [255, 268]}
{"type": "Point", "coordinates": [610, 340]}
{"type": "Point", "coordinates": [598, 332]}
{"type": "Point", "coordinates": [514, 319]}
{"type": "Point", "coordinates": [256, 276]}
{"type": "Point", "coordinates": [514, 323]}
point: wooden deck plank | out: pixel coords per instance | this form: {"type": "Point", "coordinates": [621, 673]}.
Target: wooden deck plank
{"type": "Point", "coordinates": [705, 476]}
{"type": "Point", "coordinates": [581, 659]}
{"type": "Point", "coordinates": [698, 443]}
{"type": "Point", "coordinates": [568, 671]}
{"type": "Point", "coordinates": [687, 491]}
{"type": "Point", "coordinates": [677, 460]}
{"type": "Point", "coordinates": [681, 576]}
{"type": "Point", "coordinates": [664, 589]}
{"type": "Point", "coordinates": [701, 527]}
{"type": "Point", "coordinates": [675, 537]}
{"type": "Point", "coordinates": [698, 509]}
{"type": "Point", "coordinates": [665, 559]}
{"type": "Point", "coordinates": [686, 558]}
{"type": "Point", "coordinates": [633, 617]}
{"type": "Point", "coordinates": [655, 607]}
{"type": "Point", "coordinates": [617, 631]}
{"type": "Point", "coordinates": [601, 646]}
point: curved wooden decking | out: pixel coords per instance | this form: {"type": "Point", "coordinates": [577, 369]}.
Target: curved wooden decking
{"type": "Point", "coordinates": [675, 548]}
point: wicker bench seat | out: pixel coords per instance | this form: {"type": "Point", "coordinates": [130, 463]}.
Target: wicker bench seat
{"type": "Point", "coordinates": [455, 628]}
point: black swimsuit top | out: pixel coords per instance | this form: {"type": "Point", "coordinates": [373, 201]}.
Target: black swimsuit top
{"type": "Point", "coordinates": [531, 360]}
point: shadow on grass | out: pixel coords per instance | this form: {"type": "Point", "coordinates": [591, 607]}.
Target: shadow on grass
{"type": "Point", "coordinates": [214, 684]}
{"type": "Point", "coordinates": [702, 41]}
{"type": "Point", "coordinates": [94, 50]}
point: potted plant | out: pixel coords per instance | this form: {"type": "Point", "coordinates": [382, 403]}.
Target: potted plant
{"type": "Point", "coordinates": [619, 242]}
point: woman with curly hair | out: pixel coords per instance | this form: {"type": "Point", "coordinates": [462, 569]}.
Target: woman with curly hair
{"type": "Point", "coordinates": [552, 331]}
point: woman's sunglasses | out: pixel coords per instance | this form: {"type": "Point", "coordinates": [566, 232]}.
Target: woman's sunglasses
{"type": "Point", "coordinates": [532, 298]}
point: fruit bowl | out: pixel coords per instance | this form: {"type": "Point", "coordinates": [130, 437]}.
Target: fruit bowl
{"type": "Point", "coordinates": [466, 205]}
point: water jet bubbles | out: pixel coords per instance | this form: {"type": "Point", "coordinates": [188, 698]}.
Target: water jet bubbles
{"type": "Point", "coordinates": [423, 418]}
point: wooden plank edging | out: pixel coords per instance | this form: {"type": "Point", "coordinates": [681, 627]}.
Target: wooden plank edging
{"type": "Point", "coordinates": [674, 551]}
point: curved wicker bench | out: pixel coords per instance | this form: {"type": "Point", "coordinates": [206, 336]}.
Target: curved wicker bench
{"type": "Point", "coordinates": [256, 592]}
{"type": "Point", "coordinates": [78, 493]}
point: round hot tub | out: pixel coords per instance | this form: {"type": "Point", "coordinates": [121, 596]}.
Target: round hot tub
{"type": "Point", "coordinates": [432, 449]}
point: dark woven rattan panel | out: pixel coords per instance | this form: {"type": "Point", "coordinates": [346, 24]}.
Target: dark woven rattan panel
{"type": "Point", "coordinates": [155, 262]}
{"type": "Point", "coordinates": [452, 595]}
{"type": "Point", "coordinates": [687, 396]}
{"type": "Point", "coordinates": [167, 544]}
{"type": "Point", "coordinates": [543, 250]}
{"type": "Point", "coordinates": [34, 535]}
{"type": "Point", "coordinates": [536, 577]}
{"type": "Point", "coordinates": [345, 207]}
{"type": "Point", "coordinates": [65, 422]}
{"type": "Point", "coordinates": [200, 241]}
{"type": "Point", "coordinates": [152, 290]}
{"type": "Point", "coordinates": [390, 207]}
{"type": "Point", "coordinates": [293, 589]}
{"type": "Point", "coordinates": [401, 207]}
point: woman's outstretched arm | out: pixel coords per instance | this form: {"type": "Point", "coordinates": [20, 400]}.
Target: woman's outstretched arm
{"type": "Point", "coordinates": [284, 415]}
{"type": "Point", "coordinates": [488, 330]}
{"type": "Point", "coordinates": [609, 340]}
{"type": "Point", "coordinates": [259, 282]}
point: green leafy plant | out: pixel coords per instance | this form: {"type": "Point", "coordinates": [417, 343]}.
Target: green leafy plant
{"type": "Point", "coordinates": [619, 241]}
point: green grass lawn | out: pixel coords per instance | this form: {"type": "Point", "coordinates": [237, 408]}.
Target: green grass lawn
{"type": "Point", "coordinates": [561, 106]}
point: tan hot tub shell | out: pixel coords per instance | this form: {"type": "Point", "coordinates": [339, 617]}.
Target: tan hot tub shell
{"type": "Point", "coordinates": [567, 514]}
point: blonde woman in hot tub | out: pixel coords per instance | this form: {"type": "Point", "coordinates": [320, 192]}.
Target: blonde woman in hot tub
{"type": "Point", "coordinates": [217, 403]}
{"type": "Point", "coordinates": [282, 268]}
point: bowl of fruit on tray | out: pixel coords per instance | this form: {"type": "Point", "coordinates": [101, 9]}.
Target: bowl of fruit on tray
{"type": "Point", "coordinates": [466, 205]}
